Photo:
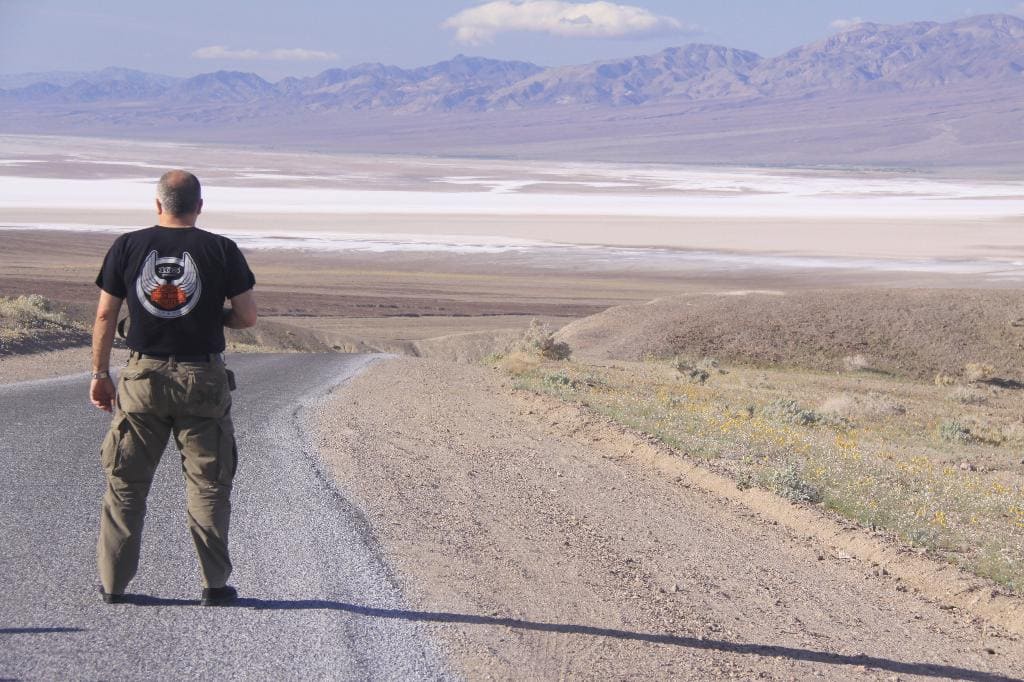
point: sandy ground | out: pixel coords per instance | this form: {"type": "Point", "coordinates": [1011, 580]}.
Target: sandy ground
{"type": "Point", "coordinates": [541, 557]}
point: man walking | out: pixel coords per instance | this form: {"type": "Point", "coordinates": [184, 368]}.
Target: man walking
{"type": "Point", "coordinates": [176, 278]}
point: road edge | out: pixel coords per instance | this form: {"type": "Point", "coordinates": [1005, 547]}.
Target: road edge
{"type": "Point", "coordinates": [941, 582]}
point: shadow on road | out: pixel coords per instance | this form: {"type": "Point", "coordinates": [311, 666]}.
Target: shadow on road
{"type": "Point", "coordinates": [923, 669]}
{"type": "Point", "coordinates": [37, 631]}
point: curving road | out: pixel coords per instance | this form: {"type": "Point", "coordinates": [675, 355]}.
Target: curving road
{"type": "Point", "coordinates": [318, 601]}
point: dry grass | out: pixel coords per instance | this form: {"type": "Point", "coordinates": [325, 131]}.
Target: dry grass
{"type": "Point", "coordinates": [539, 340]}
{"type": "Point", "coordinates": [32, 323]}
{"type": "Point", "coordinates": [884, 452]}
{"type": "Point", "coordinates": [518, 363]}
{"type": "Point", "coordinates": [525, 353]}
{"type": "Point", "coordinates": [975, 372]}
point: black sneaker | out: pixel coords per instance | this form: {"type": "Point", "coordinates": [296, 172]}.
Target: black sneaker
{"type": "Point", "coordinates": [113, 598]}
{"type": "Point", "coordinates": [218, 596]}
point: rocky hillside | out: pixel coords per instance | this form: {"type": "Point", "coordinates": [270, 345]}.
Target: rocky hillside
{"type": "Point", "coordinates": [916, 333]}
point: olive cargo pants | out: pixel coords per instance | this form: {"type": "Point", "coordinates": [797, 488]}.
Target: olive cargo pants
{"type": "Point", "coordinates": [156, 398]}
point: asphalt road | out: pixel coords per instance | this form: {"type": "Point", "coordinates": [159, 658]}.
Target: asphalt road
{"type": "Point", "coordinates": [317, 600]}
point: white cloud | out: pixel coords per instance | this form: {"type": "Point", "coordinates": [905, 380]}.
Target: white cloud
{"type": "Point", "coordinates": [600, 19]}
{"type": "Point", "coordinates": [281, 54]}
{"type": "Point", "coordinates": [844, 24]}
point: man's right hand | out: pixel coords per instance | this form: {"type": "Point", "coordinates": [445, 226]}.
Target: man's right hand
{"type": "Point", "coordinates": [101, 394]}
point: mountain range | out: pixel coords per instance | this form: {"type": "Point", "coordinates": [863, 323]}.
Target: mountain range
{"type": "Point", "coordinates": [918, 80]}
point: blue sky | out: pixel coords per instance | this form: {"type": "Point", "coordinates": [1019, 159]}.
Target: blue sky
{"type": "Point", "coordinates": [299, 37]}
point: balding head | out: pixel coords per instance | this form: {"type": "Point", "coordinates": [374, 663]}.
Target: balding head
{"type": "Point", "coordinates": [179, 194]}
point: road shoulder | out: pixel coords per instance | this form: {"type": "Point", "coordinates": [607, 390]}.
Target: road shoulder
{"type": "Point", "coordinates": [51, 364]}
{"type": "Point", "coordinates": [540, 554]}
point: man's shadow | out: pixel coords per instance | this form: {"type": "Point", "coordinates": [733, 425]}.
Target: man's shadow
{"type": "Point", "coordinates": [769, 650]}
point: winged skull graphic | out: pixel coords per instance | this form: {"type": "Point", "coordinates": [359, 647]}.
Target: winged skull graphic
{"type": "Point", "coordinates": [169, 287]}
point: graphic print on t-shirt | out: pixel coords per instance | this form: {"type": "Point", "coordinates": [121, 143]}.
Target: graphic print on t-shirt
{"type": "Point", "coordinates": [169, 287]}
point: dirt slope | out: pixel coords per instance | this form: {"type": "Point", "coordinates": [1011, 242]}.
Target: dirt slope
{"type": "Point", "coordinates": [539, 557]}
{"type": "Point", "coordinates": [908, 332]}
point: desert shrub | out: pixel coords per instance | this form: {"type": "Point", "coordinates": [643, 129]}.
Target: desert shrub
{"type": "Point", "coordinates": [792, 412]}
{"type": "Point", "coordinates": [564, 381]}
{"type": "Point", "coordinates": [25, 319]}
{"type": "Point", "coordinates": [942, 379]}
{"type": "Point", "coordinates": [955, 431]}
{"type": "Point", "coordinates": [788, 481]}
{"type": "Point", "coordinates": [696, 375]}
{"type": "Point", "coordinates": [559, 380]}
{"type": "Point", "coordinates": [539, 339]}
{"type": "Point", "coordinates": [695, 372]}
{"type": "Point", "coordinates": [857, 363]}
{"type": "Point", "coordinates": [976, 372]}
{"type": "Point", "coordinates": [965, 395]}
{"type": "Point", "coordinates": [31, 312]}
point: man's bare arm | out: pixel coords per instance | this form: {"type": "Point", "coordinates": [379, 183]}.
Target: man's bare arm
{"type": "Point", "coordinates": [101, 391]}
{"type": "Point", "coordinates": [242, 313]}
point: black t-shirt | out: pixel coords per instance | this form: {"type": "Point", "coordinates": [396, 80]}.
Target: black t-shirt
{"type": "Point", "coordinates": [175, 281]}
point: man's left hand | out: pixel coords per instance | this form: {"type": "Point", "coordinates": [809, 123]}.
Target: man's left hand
{"type": "Point", "coordinates": [101, 394]}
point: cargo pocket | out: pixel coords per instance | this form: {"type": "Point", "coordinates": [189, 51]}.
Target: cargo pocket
{"type": "Point", "coordinates": [206, 393]}
{"type": "Point", "coordinates": [138, 390]}
{"type": "Point", "coordinates": [227, 452]}
{"type": "Point", "coordinates": [110, 451]}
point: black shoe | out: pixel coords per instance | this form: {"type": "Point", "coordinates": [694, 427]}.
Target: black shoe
{"type": "Point", "coordinates": [218, 596]}
{"type": "Point", "coordinates": [113, 598]}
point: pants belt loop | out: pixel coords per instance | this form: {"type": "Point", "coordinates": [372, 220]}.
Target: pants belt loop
{"type": "Point", "coordinates": [172, 362]}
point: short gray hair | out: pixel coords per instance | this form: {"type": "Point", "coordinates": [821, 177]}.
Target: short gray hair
{"type": "Point", "coordinates": [179, 192]}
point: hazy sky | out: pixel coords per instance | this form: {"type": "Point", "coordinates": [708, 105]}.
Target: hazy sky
{"type": "Point", "coordinates": [298, 37]}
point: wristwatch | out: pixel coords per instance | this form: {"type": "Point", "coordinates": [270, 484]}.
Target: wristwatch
{"type": "Point", "coordinates": [101, 375]}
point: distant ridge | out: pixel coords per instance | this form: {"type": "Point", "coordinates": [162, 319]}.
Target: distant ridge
{"type": "Point", "coordinates": [920, 81]}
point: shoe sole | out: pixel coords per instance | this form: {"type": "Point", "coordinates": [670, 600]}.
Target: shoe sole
{"type": "Point", "coordinates": [221, 601]}
{"type": "Point", "coordinates": [113, 598]}
{"type": "Point", "coordinates": [216, 602]}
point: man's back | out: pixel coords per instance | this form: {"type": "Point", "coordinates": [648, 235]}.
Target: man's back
{"type": "Point", "coordinates": [175, 280]}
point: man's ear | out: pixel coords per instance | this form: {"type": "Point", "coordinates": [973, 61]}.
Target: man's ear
{"type": "Point", "coordinates": [199, 207]}
{"type": "Point", "coordinates": [159, 208]}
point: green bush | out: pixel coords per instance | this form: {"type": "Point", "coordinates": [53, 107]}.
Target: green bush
{"type": "Point", "coordinates": [791, 411]}
{"type": "Point", "coordinates": [955, 431]}
{"type": "Point", "coordinates": [560, 380]}
{"type": "Point", "coordinates": [788, 482]}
